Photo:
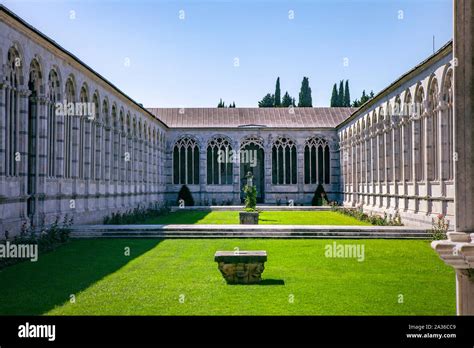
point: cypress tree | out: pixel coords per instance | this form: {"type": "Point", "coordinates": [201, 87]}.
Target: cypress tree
{"type": "Point", "coordinates": [340, 95]}
{"type": "Point", "coordinates": [287, 100]}
{"type": "Point", "coordinates": [305, 99]}
{"type": "Point", "coordinates": [277, 93]}
{"type": "Point", "coordinates": [334, 96]}
{"type": "Point", "coordinates": [347, 95]}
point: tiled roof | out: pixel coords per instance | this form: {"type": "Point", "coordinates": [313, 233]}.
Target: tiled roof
{"type": "Point", "coordinates": [323, 117]}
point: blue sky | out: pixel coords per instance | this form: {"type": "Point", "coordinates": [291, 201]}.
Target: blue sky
{"type": "Point", "coordinates": [190, 62]}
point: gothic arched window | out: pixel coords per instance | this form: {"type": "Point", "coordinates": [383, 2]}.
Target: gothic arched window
{"type": "Point", "coordinates": [84, 99]}
{"type": "Point", "coordinates": [95, 139]}
{"type": "Point", "coordinates": [284, 161]}
{"type": "Point", "coordinates": [219, 162]}
{"type": "Point", "coordinates": [70, 96]}
{"type": "Point", "coordinates": [186, 162]}
{"type": "Point", "coordinates": [12, 97]}
{"type": "Point", "coordinates": [432, 136]}
{"type": "Point", "coordinates": [448, 129]}
{"type": "Point", "coordinates": [53, 98]}
{"type": "Point", "coordinates": [419, 142]}
{"type": "Point", "coordinates": [316, 161]}
{"type": "Point", "coordinates": [407, 139]}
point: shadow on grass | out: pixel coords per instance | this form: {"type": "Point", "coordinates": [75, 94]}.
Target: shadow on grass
{"type": "Point", "coordinates": [260, 219]}
{"type": "Point", "coordinates": [34, 288]}
{"type": "Point", "coordinates": [264, 282]}
{"type": "Point", "coordinates": [272, 282]}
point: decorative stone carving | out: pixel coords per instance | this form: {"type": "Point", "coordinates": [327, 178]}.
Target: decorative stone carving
{"type": "Point", "coordinates": [458, 252]}
{"type": "Point", "coordinates": [241, 267]}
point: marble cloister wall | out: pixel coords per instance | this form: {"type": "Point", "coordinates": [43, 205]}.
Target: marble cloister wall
{"type": "Point", "coordinates": [397, 150]}
{"type": "Point", "coordinates": [299, 192]}
{"type": "Point", "coordinates": [52, 164]}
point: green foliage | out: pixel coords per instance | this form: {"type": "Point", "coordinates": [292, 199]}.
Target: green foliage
{"type": "Point", "coordinates": [341, 98]}
{"type": "Point", "coordinates": [136, 215]}
{"type": "Point", "coordinates": [340, 94]}
{"type": "Point", "coordinates": [363, 99]}
{"type": "Point", "coordinates": [185, 195]}
{"type": "Point", "coordinates": [320, 197]}
{"type": "Point", "coordinates": [268, 101]}
{"type": "Point", "coordinates": [46, 237]}
{"type": "Point", "coordinates": [347, 95]}
{"type": "Point", "coordinates": [440, 228]}
{"type": "Point", "coordinates": [374, 219]}
{"type": "Point", "coordinates": [277, 98]}
{"type": "Point", "coordinates": [287, 100]}
{"type": "Point", "coordinates": [221, 104]}
{"type": "Point", "coordinates": [334, 97]}
{"type": "Point", "coordinates": [305, 99]}
{"type": "Point", "coordinates": [250, 198]}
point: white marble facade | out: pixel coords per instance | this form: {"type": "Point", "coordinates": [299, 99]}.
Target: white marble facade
{"type": "Point", "coordinates": [52, 165]}
{"type": "Point", "coordinates": [398, 150]}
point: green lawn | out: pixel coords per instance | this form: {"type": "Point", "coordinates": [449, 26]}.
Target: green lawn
{"type": "Point", "coordinates": [266, 218]}
{"type": "Point", "coordinates": [157, 274]}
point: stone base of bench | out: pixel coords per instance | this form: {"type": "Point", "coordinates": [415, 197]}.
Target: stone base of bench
{"type": "Point", "coordinates": [241, 267]}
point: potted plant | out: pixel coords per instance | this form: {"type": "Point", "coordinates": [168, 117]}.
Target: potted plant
{"type": "Point", "coordinates": [250, 215]}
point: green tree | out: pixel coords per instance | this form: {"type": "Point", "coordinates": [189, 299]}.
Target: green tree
{"type": "Point", "coordinates": [287, 100]}
{"type": "Point", "coordinates": [221, 104]}
{"type": "Point", "coordinates": [363, 99]}
{"type": "Point", "coordinates": [347, 95]}
{"type": "Point", "coordinates": [305, 99]}
{"type": "Point", "coordinates": [267, 102]}
{"type": "Point", "coordinates": [334, 97]}
{"type": "Point", "coordinates": [277, 93]}
{"type": "Point", "coordinates": [340, 95]}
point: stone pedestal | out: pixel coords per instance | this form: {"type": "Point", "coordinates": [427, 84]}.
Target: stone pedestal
{"type": "Point", "coordinates": [241, 267]}
{"type": "Point", "coordinates": [248, 218]}
{"type": "Point", "coordinates": [458, 252]}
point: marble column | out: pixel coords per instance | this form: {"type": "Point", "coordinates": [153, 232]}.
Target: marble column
{"type": "Point", "coordinates": [458, 250]}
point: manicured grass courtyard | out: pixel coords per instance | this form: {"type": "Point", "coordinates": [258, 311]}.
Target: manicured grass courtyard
{"type": "Point", "coordinates": [266, 218]}
{"type": "Point", "coordinates": [180, 277]}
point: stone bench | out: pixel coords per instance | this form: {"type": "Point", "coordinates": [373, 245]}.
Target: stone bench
{"type": "Point", "coordinates": [241, 267]}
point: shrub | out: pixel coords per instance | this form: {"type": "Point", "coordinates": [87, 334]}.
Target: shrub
{"type": "Point", "coordinates": [46, 237]}
{"type": "Point", "coordinates": [320, 197]}
{"type": "Point", "coordinates": [186, 196]}
{"type": "Point", "coordinates": [135, 215]}
{"type": "Point", "coordinates": [250, 198]}
{"type": "Point", "coordinates": [440, 227]}
{"type": "Point", "coordinates": [374, 219]}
